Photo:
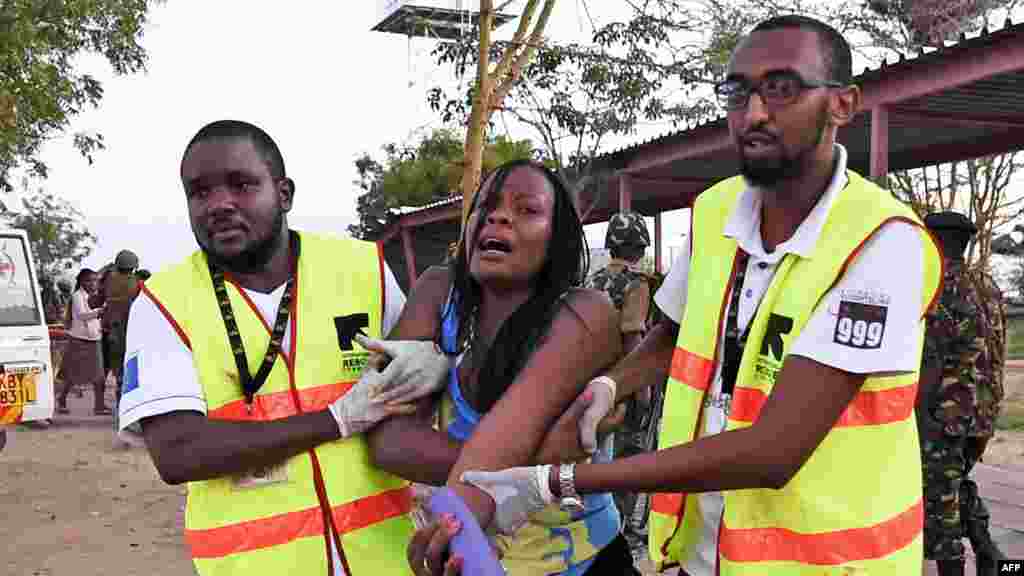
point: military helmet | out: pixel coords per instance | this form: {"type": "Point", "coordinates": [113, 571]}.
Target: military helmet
{"type": "Point", "coordinates": [126, 260]}
{"type": "Point", "coordinates": [953, 229]}
{"type": "Point", "coordinates": [950, 220]}
{"type": "Point", "coordinates": [627, 229]}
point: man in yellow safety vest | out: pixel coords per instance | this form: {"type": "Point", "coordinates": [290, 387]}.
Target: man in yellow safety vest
{"type": "Point", "coordinates": [245, 376]}
{"type": "Point", "coordinates": [792, 347]}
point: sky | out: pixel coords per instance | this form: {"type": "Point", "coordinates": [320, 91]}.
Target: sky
{"type": "Point", "coordinates": [312, 74]}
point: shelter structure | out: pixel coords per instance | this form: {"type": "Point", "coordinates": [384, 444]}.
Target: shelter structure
{"type": "Point", "coordinates": [961, 101]}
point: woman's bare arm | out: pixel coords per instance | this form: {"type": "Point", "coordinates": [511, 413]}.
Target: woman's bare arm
{"type": "Point", "coordinates": [407, 446]}
{"type": "Point", "coordinates": [583, 340]}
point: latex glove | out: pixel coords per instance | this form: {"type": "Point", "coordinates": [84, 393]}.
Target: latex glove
{"type": "Point", "coordinates": [417, 368]}
{"type": "Point", "coordinates": [600, 393]}
{"type": "Point", "coordinates": [357, 410]}
{"type": "Point", "coordinates": [517, 493]}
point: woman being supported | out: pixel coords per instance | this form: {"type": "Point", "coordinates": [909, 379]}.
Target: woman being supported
{"type": "Point", "coordinates": [524, 340]}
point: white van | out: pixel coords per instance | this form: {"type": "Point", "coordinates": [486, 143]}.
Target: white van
{"type": "Point", "coordinates": [26, 375]}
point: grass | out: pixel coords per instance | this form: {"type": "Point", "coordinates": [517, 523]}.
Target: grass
{"type": "Point", "coordinates": [1012, 413]}
{"type": "Point", "coordinates": [1015, 338]}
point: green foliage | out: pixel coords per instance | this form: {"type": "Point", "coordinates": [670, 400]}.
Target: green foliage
{"type": "Point", "coordinates": [633, 71]}
{"type": "Point", "coordinates": [418, 174]}
{"type": "Point", "coordinates": [57, 233]}
{"type": "Point", "coordinates": [41, 41]}
{"type": "Point", "coordinates": [431, 169]}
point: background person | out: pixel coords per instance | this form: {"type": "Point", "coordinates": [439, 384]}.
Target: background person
{"type": "Point", "coordinates": [958, 401]}
{"type": "Point", "coordinates": [629, 288]}
{"type": "Point", "coordinates": [120, 290]}
{"type": "Point", "coordinates": [82, 362]}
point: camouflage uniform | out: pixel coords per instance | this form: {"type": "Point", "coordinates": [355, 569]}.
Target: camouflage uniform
{"type": "Point", "coordinates": [630, 289]}
{"type": "Point", "coordinates": [961, 386]}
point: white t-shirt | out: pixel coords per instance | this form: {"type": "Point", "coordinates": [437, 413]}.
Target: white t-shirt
{"type": "Point", "coordinates": [85, 320]}
{"type": "Point", "coordinates": [888, 269]}
{"type": "Point", "coordinates": [166, 378]}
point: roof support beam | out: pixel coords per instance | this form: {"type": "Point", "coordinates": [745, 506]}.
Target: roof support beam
{"type": "Point", "coordinates": [880, 145]}
{"type": "Point", "coordinates": [1003, 53]}
{"type": "Point", "coordinates": [956, 151]}
{"type": "Point", "coordinates": [625, 192]}
{"type": "Point", "coordinates": [652, 200]}
{"type": "Point", "coordinates": [674, 181]}
{"type": "Point", "coordinates": [657, 242]}
{"type": "Point", "coordinates": [700, 142]}
{"type": "Point", "coordinates": [957, 118]}
{"type": "Point", "coordinates": [435, 214]}
{"type": "Point", "coordinates": [410, 255]}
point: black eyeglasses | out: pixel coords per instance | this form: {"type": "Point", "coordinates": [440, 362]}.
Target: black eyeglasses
{"type": "Point", "coordinates": [777, 89]}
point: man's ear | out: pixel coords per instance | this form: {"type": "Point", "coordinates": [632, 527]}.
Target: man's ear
{"type": "Point", "coordinates": [845, 104]}
{"type": "Point", "coordinates": [286, 190]}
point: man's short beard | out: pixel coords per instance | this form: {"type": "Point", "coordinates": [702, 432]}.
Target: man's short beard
{"type": "Point", "coordinates": [769, 172]}
{"type": "Point", "coordinates": [254, 258]}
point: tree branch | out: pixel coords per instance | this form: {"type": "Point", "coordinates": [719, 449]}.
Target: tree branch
{"type": "Point", "coordinates": [526, 54]}
{"type": "Point", "coordinates": [510, 51]}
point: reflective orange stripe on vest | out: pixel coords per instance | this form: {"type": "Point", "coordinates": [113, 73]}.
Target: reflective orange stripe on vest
{"type": "Point", "coordinates": [823, 548]}
{"type": "Point", "coordinates": [667, 503]}
{"type": "Point", "coordinates": [691, 369]}
{"type": "Point", "coordinates": [280, 405]}
{"type": "Point", "coordinates": [868, 407]}
{"type": "Point", "coordinates": [283, 528]}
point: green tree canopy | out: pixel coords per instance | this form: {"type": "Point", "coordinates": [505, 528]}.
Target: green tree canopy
{"type": "Point", "coordinates": [419, 173]}
{"type": "Point", "coordinates": [57, 233]}
{"type": "Point", "coordinates": [41, 42]}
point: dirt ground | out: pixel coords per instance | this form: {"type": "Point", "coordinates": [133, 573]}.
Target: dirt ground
{"type": "Point", "coordinates": [75, 502]}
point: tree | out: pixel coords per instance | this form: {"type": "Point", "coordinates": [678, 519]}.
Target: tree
{"type": "Point", "coordinates": [372, 208]}
{"type": "Point", "coordinates": [57, 233]}
{"type": "Point", "coordinates": [919, 23]}
{"type": "Point", "coordinates": [40, 88]}
{"type": "Point", "coordinates": [979, 187]}
{"type": "Point", "coordinates": [492, 85]}
{"type": "Point", "coordinates": [420, 173]}
{"type": "Point", "coordinates": [642, 68]}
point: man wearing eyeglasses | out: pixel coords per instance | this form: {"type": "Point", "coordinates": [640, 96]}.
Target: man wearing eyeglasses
{"type": "Point", "coordinates": [792, 341]}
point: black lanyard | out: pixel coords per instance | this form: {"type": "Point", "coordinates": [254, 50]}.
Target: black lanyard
{"type": "Point", "coordinates": [251, 385]}
{"type": "Point", "coordinates": [734, 341]}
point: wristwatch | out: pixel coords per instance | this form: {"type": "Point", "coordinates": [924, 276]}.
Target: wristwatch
{"type": "Point", "coordinates": [570, 500]}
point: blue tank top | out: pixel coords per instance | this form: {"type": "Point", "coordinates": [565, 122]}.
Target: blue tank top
{"type": "Point", "coordinates": [553, 542]}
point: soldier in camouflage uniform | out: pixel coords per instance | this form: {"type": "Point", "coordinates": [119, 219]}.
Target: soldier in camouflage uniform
{"type": "Point", "coordinates": [629, 287]}
{"type": "Point", "coordinates": [958, 401]}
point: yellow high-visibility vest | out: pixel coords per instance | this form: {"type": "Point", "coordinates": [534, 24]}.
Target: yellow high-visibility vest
{"type": "Point", "coordinates": [279, 528]}
{"type": "Point", "coordinates": [855, 507]}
